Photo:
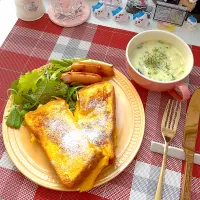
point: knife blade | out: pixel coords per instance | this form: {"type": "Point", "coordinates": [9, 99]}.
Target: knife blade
{"type": "Point", "coordinates": [189, 141]}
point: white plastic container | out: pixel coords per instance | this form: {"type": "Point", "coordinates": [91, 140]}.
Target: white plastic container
{"type": "Point", "coordinates": [29, 10]}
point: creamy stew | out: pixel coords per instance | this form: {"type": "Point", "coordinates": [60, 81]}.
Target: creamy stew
{"type": "Point", "coordinates": [158, 60]}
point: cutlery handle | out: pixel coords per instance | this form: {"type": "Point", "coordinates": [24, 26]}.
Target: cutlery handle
{"type": "Point", "coordinates": [158, 195]}
{"type": "Point", "coordinates": [186, 188]}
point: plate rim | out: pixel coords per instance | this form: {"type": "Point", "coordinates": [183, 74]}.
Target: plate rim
{"type": "Point", "coordinates": [22, 168]}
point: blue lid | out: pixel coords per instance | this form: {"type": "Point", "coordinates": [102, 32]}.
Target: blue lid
{"type": "Point", "coordinates": [192, 19]}
{"type": "Point", "coordinates": [138, 15]}
{"type": "Point", "coordinates": [97, 6]}
{"type": "Point", "coordinates": [114, 12]}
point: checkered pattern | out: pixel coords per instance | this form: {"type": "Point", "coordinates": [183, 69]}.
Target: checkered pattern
{"type": "Point", "coordinates": [145, 182]}
{"type": "Point", "coordinates": [67, 47]}
{"type": "Point", "coordinates": [30, 45]}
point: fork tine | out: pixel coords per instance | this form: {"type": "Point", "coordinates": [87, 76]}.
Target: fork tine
{"type": "Point", "coordinates": [177, 117]}
{"type": "Point", "coordinates": [170, 112]}
{"type": "Point", "coordinates": [174, 115]}
{"type": "Point", "coordinates": [165, 114]}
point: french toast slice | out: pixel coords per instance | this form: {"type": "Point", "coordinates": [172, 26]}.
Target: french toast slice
{"type": "Point", "coordinates": [72, 156]}
{"type": "Point", "coordinates": [95, 112]}
{"type": "Point", "coordinates": [78, 146]}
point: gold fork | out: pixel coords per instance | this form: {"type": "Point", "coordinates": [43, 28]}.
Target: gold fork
{"type": "Point", "coordinates": [168, 128]}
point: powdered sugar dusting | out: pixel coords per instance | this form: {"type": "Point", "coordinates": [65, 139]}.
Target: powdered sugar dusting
{"type": "Point", "coordinates": [74, 138]}
{"type": "Point", "coordinates": [74, 142]}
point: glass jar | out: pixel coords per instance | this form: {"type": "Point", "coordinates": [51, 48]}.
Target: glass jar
{"type": "Point", "coordinates": [68, 13]}
{"type": "Point", "coordinates": [29, 10]}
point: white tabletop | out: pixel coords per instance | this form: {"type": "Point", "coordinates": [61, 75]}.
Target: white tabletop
{"type": "Point", "coordinates": [8, 19]}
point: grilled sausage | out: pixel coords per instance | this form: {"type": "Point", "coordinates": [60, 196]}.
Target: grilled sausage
{"type": "Point", "coordinates": [81, 77]}
{"type": "Point", "coordinates": [100, 68]}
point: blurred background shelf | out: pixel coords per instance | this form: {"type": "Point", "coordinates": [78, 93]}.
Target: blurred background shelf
{"type": "Point", "coordinates": [8, 19]}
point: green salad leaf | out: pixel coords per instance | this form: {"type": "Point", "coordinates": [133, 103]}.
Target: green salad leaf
{"type": "Point", "coordinates": [14, 118]}
{"type": "Point", "coordinates": [67, 62]}
{"type": "Point", "coordinates": [47, 90]}
{"type": "Point", "coordinates": [72, 96]}
{"type": "Point", "coordinates": [72, 91]}
{"type": "Point", "coordinates": [28, 82]}
{"type": "Point", "coordinates": [70, 61]}
{"type": "Point", "coordinates": [39, 87]}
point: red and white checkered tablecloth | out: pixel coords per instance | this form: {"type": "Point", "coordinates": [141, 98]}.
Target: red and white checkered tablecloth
{"type": "Point", "coordinates": [30, 45]}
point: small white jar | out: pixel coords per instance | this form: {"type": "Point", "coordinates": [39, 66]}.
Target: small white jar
{"type": "Point", "coordinates": [29, 10]}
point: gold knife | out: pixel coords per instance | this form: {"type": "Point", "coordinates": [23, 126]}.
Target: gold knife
{"type": "Point", "coordinates": [189, 141]}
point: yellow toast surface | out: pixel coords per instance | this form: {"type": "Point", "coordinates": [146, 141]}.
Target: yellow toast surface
{"type": "Point", "coordinates": [95, 112]}
{"type": "Point", "coordinates": [78, 146]}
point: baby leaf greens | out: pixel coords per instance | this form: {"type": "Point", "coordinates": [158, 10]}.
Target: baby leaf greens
{"type": "Point", "coordinates": [40, 86]}
{"type": "Point", "coordinates": [14, 118]}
